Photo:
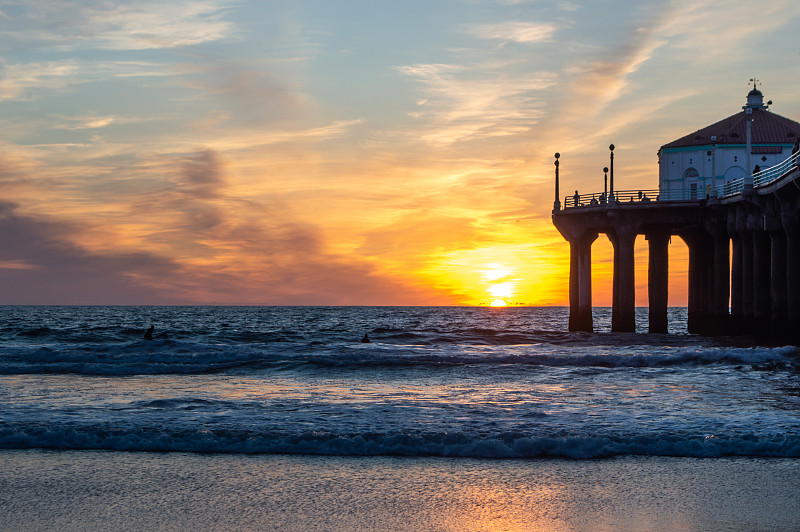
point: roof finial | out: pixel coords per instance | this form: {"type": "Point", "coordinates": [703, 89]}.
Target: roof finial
{"type": "Point", "coordinates": [755, 82]}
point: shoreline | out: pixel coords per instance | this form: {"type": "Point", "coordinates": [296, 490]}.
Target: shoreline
{"type": "Point", "coordinates": [79, 490]}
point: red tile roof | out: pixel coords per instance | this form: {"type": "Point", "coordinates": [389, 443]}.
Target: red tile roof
{"type": "Point", "coordinates": [767, 128]}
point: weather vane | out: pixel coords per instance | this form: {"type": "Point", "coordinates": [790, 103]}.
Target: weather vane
{"type": "Point", "coordinates": [754, 81]}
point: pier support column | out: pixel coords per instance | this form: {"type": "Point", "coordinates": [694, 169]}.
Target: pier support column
{"type": "Point", "coordinates": [623, 317]}
{"type": "Point", "coordinates": [747, 283]}
{"type": "Point", "coordinates": [580, 283]}
{"type": "Point", "coordinates": [762, 305]}
{"type": "Point", "coordinates": [736, 272]}
{"type": "Point", "coordinates": [779, 280]}
{"type": "Point", "coordinates": [700, 258]}
{"type": "Point", "coordinates": [746, 239]}
{"type": "Point", "coordinates": [719, 314]}
{"type": "Point", "coordinates": [658, 280]}
{"type": "Point", "coordinates": [736, 282]}
{"type": "Point", "coordinates": [585, 282]}
{"type": "Point", "coordinates": [574, 286]}
{"type": "Point", "coordinates": [793, 282]}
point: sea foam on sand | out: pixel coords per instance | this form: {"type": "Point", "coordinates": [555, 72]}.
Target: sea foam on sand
{"type": "Point", "coordinates": [93, 490]}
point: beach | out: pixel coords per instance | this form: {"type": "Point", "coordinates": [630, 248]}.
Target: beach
{"type": "Point", "coordinates": [106, 490]}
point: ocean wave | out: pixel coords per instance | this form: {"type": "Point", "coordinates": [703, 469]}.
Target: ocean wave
{"type": "Point", "coordinates": [175, 357]}
{"type": "Point", "coordinates": [627, 357]}
{"type": "Point", "coordinates": [500, 446]}
{"type": "Point", "coordinates": [135, 358]}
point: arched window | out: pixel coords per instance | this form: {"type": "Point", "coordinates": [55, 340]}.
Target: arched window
{"type": "Point", "coordinates": [734, 172]}
{"type": "Point", "coordinates": [691, 173]}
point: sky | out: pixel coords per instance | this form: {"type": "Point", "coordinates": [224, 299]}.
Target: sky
{"type": "Point", "coordinates": [349, 152]}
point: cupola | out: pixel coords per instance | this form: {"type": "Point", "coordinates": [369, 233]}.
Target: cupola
{"type": "Point", "coordinates": [755, 99]}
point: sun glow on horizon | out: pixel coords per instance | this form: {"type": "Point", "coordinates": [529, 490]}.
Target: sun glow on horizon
{"type": "Point", "coordinates": [504, 289]}
{"type": "Point", "coordinates": [498, 303]}
{"type": "Point", "coordinates": [495, 272]}
{"type": "Point", "coordinates": [518, 274]}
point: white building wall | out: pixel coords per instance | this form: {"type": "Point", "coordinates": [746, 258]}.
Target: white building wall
{"type": "Point", "coordinates": [729, 163]}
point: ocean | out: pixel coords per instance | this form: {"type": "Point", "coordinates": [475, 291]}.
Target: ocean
{"type": "Point", "coordinates": [467, 385]}
{"type": "Point", "coordinates": [466, 382]}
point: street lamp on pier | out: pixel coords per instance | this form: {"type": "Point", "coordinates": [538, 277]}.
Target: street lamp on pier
{"type": "Point", "coordinates": [557, 202]}
{"type": "Point", "coordinates": [612, 172]}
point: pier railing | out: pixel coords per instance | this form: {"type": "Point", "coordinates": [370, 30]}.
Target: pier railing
{"type": "Point", "coordinates": [773, 173]}
{"type": "Point", "coordinates": [627, 196]}
{"type": "Point", "coordinates": [761, 178]}
{"type": "Point", "coordinates": [731, 188]}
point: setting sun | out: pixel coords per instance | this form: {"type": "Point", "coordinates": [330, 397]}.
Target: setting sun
{"type": "Point", "coordinates": [498, 303]}
{"type": "Point", "coordinates": [521, 273]}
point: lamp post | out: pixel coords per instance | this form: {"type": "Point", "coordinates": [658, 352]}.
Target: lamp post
{"type": "Point", "coordinates": [713, 165]}
{"type": "Point", "coordinates": [748, 175]}
{"type": "Point", "coordinates": [605, 184]}
{"type": "Point", "coordinates": [612, 172]}
{"type": "Point", "coordinates": [557, 202]}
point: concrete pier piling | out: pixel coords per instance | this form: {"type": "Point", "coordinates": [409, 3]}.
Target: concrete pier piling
{"type": "Point", "coordinates": [657, 280]}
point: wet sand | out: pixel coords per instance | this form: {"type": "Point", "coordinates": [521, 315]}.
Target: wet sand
{"type": "Point", "coordinates": [94, 490]}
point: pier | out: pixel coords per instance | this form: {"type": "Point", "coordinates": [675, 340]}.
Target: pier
{"type": "Point", "coordinates": [744, 253]}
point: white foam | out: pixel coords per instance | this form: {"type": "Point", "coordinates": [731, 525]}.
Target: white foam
{"type": "Point", "coordinates": [399, 444]}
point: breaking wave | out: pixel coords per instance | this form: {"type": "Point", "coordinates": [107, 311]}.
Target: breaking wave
{"type": "Point", "coordinates": [511, 445]}
{"type": "Point", "coordinates": [173, 357]}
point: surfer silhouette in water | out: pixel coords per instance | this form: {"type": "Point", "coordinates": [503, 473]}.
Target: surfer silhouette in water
{"type": "Point", "coordinates": [366, 340]}
{"type": "Point", "coordinates": [148, 334]}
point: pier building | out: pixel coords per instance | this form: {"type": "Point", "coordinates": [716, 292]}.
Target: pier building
{"type": "Point", "coordinates": [731, 191]}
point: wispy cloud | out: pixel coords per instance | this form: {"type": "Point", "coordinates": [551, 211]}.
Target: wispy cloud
{"type": "Point", "coordinates": [468, 102]}
{"type": "Point", "coordinates": [600, 80]}
{"type": "Point", "coordinates": [77, 123]}
{"type": "Point", "coordinates": [17, 265]}
{"type": "Point", "coordinates": [726, 26]}
{"type": "Point", "coordinates": [246, 139]}
{"type": "Point", "coordinates": [522, 32]}
{"type": "Point", "coordinates": [19, 78]}
{"type": "Point", "coordinates": [130, 26]}
{"type": "Point", "coordinates": [144, 25]}
{"type": "Point", "coordinates": [568, 6]}
{"type": "Point", "coordinates": [26, 81]}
